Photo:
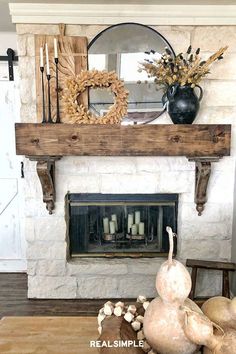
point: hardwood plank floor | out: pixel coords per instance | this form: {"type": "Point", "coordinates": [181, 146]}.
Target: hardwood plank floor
{"type": "Point", "coordinates": [48, 335]}
{"type": "Point", "coordinates": [14, 302]}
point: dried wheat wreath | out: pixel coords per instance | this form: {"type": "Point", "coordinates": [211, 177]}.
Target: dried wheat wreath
{"type": "Point", "coordinates": [77, 113]}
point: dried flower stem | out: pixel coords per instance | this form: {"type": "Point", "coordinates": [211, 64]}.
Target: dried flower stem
{"type": "Point", "coordinates": [184, 69]}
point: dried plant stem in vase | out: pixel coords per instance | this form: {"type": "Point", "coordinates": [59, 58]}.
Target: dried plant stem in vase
{"type": "Point", "coordinates": [180, 75]}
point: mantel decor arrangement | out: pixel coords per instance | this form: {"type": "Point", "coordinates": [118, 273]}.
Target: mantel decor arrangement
{"type": "Point", "coordinates": [88, 135]}
{"type": "Point", "coordinates": [180, 75]}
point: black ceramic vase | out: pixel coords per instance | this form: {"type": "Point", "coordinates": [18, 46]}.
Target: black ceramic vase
{"type": "Point", "coordinates": [183, 103]}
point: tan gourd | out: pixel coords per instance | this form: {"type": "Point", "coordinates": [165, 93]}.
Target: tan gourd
{"type": "Point", "coordinates": [164, 317]}
{"type": "Point", "coordinates": [226, 344]}
{"type": "Point", "coordinates": [222, 311]}
{"type": "Point", "coordinates": [200, 330]}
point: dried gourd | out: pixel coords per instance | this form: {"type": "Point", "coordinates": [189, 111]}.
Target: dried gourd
{"type": "Point", "coordinates": [222, 311]}
{"type": "Point", "coordinates": [165, 316]}
{"type": "Point", "coordinates": [201, 331]}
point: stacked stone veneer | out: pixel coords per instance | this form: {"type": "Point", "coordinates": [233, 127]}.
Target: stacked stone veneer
{"type": "Point", "coordinates": [50, 273]}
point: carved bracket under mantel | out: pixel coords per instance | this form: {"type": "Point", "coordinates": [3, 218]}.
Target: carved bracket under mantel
{"type": "Point", "coordinates": [46, 172]}
{"type": "Point", "coordinates": [202, 176]}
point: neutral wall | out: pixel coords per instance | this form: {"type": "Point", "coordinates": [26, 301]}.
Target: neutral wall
{"type": "Point", "coordinates": [206, 237]}
{"type": "Point", "coordinates": [7, 40]}
{"type": "Point", "coordinates": [234, 242]}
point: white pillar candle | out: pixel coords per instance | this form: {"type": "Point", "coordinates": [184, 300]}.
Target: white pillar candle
{"type": "Point", "coordinates": [137, 217]}
{"type": "Point", "coordinates": [114, 218]}
{"type": "Point", "coordinates": [112, 227]}
{"type": "Point", "coordinates": [134, 230]}
{"type": "Point", "coordinates": [106, 225]}
{"type": "Point", "coordinates": [41, 57]}
{"type": "Point", "coordinates": [141, 228]}
{"type": "Point", "coordinates": [130, 221]}
{"type": "Point", "coordinates": [47, 59]}
{"type": "Point", "coordinates": [55, 49]}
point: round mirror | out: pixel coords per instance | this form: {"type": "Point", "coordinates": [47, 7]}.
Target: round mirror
{"type": "Point", "coordinates": [121, 48]}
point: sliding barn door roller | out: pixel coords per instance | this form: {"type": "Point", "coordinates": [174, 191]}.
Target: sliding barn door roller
{"type": "Point", "coordinates": [10, 58]}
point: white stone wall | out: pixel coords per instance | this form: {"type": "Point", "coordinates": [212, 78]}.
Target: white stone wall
{"type": "Point", "coordinates": [51, 274]}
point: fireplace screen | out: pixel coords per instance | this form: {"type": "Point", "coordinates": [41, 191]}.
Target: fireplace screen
{"type": "Point", "coordinates": [120, 224]}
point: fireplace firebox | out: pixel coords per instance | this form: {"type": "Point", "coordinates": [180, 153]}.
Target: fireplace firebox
{"type": "Point", "coordinates": [122, 225]}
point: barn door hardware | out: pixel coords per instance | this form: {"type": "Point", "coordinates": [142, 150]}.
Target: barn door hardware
{"type": "Point", "coordinates": [22, 173]}
{"type": "Point", "coordinates": [10, 58]}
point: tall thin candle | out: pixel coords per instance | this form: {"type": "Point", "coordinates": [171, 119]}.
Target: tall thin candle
{"type": "Point", "coordinates": [41, 57]}
{"type": "Point", "coordinates": [55, 49]}
{"type": "Point", "coordinates": [47, 60]}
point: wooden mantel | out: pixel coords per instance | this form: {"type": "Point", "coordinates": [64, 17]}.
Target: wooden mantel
{"type": "Point", "coordinates": [46, 143]}
{"type": "Point", "coordinates": [116, 140]}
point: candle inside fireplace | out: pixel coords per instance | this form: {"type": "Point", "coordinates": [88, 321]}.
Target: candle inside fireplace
{"type": "Point", "coordinates": [134, 229]}
{"type": "Point", "coordinates": [137, 217]}
{"type": "Point", "coordinates": [112, 227]}
{"type": "Point", "coordinates": [114, 218]}
{"type": "Point", "coordinates": [41, 57]}
{"type": "Point", "coordinates": [130, 221]}
{"type": "Point", "coordinates": [141, 228]}
{"type": "Point", "coordinates": [55, 49]}
{"type": "Point", "coordinates": [47, 60]}
{"type": "Point", "coordinates": [106, 225]}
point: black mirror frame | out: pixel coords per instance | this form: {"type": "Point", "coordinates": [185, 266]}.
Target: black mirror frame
{"type": "Point", "coordinates": [141, 25]}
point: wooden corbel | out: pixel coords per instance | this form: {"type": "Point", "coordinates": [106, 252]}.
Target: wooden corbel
{"type": "Point", "coordinates": [46, 172]}
{"type": "Point", "coordinates": [202, 176]}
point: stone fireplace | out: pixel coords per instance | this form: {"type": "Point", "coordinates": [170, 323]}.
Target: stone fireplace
{"type": "Point", "coordinates": [52, 273]}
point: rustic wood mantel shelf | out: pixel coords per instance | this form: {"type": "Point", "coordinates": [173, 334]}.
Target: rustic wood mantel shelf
{"type": "Point", "coordinates": [46, 143]}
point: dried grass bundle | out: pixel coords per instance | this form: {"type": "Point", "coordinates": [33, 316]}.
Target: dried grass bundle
{"type": "Point", "coordinates": [185, 69]}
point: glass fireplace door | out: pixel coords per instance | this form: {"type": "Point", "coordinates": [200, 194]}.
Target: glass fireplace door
{"type": "Point", "coordinates": [120, 225]}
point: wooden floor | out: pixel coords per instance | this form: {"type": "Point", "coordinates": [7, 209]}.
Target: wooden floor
{"type": "Point", "coordinates": [14, 302]}
{"type": "Point", "coordinates": [48, 335]}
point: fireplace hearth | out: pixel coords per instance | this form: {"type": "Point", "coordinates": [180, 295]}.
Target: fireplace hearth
{"type": "Point", "coordinates": [120, 224]}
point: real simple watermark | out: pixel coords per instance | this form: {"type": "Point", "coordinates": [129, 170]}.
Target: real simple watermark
{"type": "Point", "coordinates": [117, 344]}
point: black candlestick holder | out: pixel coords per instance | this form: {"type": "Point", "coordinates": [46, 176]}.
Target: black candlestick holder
{"type": "Point", "coordinates": [43, 95]}
{"type": "Point", "coordinates": [49, 101]}
{"type": "Point", "coordinates": [57, 91]}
